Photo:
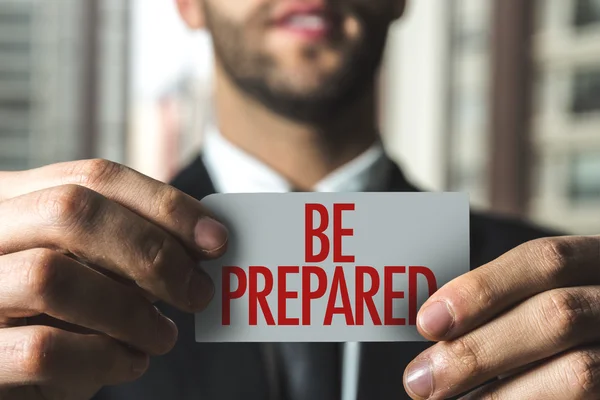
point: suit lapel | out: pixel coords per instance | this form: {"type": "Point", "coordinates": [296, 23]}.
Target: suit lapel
{"type": "Point", "coordinates": [194, 180]}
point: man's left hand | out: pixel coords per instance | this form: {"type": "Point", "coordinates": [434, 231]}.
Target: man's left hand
{"type": "Point", "coordinates": [530, 318]}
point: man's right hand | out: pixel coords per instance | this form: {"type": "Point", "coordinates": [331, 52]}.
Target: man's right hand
{"type": "Point", "coordinates": [85, 247]}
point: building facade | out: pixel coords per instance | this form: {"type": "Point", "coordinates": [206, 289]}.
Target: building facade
{"type": "Point", "coordinates": [16, 75]}
{"type": "Point", "coordinates": [63, 81]}
{"type": "Point", "coordinates": [468, 99]}
{"type": "Point", "coordinates": [556, 148]}
{"type": "Point", "coordinates": [566, 119]}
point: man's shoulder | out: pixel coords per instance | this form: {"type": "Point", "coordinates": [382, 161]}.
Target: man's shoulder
{"type": "Point", "coordinates": [493, 235]}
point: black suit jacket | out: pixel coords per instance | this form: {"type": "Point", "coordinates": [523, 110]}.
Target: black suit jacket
{"type": "Point", "coordinates": [194, 371]}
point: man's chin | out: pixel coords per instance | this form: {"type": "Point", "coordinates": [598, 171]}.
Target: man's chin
{"type": "Point", "coordinates": [316, 106]}
{"type": "Point", "coordinates": [301, 83]}
{"type": "Point", "coordinates": [299, 91]}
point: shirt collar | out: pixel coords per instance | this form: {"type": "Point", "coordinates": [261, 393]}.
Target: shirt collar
{"type": "Point", "coordinates": [234, 171]}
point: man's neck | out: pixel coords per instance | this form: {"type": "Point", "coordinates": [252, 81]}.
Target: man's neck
{"type": "Point", "coordinates": [304, 154]}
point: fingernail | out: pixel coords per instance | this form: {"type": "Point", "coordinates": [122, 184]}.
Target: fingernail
{"type": "Point", "coordinates": [437, 319]}
{"type": "Point", "coordinates": [200, 291]}
{"type": "Point", "coordinates": [167, 331]}
{"type": "Point", "coordinates": [140, 363]}
{"type": "Point", "coordinates": [210, 235]}
{"type": "Point", "coordinates": [419, 379]}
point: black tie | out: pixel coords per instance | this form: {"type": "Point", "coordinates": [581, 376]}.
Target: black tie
{"type": "Point", "coordinates": [310, 371]}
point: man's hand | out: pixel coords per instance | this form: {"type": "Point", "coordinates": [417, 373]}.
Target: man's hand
{"type": "Point", "coordinates": [531, 318]}
{"type": "Point", "coordinates": [84, 249]}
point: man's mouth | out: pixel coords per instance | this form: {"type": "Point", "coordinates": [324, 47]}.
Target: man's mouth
{"type": "Point", "coordinates": [308, 22]}
{"type": "Point", "coordinates": [305, 20]}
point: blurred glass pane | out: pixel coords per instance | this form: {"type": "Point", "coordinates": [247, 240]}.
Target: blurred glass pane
{"type": "Point", "coordinates": [585, 177]}
{"type": "Point", "coordinates": [587, 12]}
{"type": "Point", "coordinates": [19, 76]}
{"type": "Point", "coordinates": [472, 25]}
{"type": "Point", "coordinates": [15, 18]}
{"type": "Point", "coordinates": [469, 104]}
{"type": "Point", "coordinates": [566, 118]}
{"type": "Point", "coordinates": [15, 83]}
{"type": "Point", "coordinates": [8, 48]}
{"type": "Point", "coordinates": [12, 163]}
{"type": "Point", "coordinates": [13, 133]}
{"type": "Point", "coordinates": [586, 91]}
{"type": "Point", "coordinates": [14, 105]}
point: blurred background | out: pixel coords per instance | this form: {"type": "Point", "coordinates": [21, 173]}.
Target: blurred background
{"type": "Point", "coordinates": [499, 98]}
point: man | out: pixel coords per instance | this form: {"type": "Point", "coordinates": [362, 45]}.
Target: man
{"type": "Point", "coordinates": [86, 247]}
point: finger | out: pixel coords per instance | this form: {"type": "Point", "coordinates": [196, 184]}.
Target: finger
{"type": "Point", "coordinates": [177, 213]}
{"type": "Point", "coordinates": [539, 328]}
{"type": "Point", "coordinates": [43, 281]}
{"type": "Point", "coordinates": [472, 299]}
{"type": "Point", "coordinates": [100, 232]}
{"type": "Point", "coordinates": [571, 376]}
{"type": "Point", "coordinates": [37, 355]}
{"type": "Point", "coordinates": [516, 371]}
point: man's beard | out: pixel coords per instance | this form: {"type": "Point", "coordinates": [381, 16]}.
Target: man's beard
{"type": "Point", "coordinates": [249, 68]}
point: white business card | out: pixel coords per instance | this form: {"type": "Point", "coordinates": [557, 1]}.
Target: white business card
{"type": "Point", "coordinates": [331, 267]}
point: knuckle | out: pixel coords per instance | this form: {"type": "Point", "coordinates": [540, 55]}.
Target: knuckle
{"type": "Point", "coordinates": [69, 205]}
{"type": "Point", "coordinates": [34, 257]}
{"type": "Point", "coordinates": [556, 253]}
{"type": "Point", "coordinates": [565, 313]}
{"type": "Point", "coordinates": [168, 204]}
{"type": "Point", "coordinates": [466, 354]}
{"type": "Point", "coordinates": [42, 276]}
{"type": "Point", "coordinates": [34, 352]}
{"type": "Point", "coordinates": [156, 255]}
{"type": "Point", "coordinates": [479, 290]}
{"type": "Point", "coordinates": [583, 372]}
{"type": "Point", "coordinates": [92, 173]}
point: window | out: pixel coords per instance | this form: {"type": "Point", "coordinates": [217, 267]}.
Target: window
{"type": "Point", "coordinates": [15, 81]}
{"type": "Point", "coordinates": [471, 28]}
{"type": "Point", "coordinates": [12, 163]}
{"type": "Point", "coordinates": [12, 133]}
{"type": "Point", "coordinates": [585, 177]}
{"type": "Point", "coordinates": [587, 12]}
{"type": "Point", "coordinates": [566, 117]}
{"type": "Point", "coordinates": [586, 91]}
{"type": "Point", "coordinates": [469, 94]}
{"type": "Point", "coordinates": [46, 95]}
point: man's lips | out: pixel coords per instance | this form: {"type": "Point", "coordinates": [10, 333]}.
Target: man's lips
{"type": "Point", "coordinates": [309, 21]}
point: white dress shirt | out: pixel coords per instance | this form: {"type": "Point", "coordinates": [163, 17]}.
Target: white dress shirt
{"type": "Point", "coordinates": [235, 171]}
